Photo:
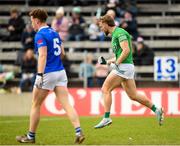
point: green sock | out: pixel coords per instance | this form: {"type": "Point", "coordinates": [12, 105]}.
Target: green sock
{"type": "Point", "coordinates": [106, 115]}
{"type": "Point", "coordinates": [153, 108]}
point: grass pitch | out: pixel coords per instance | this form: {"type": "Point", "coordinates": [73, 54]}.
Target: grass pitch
{"type": "Point", "coordinates": [124, 130]}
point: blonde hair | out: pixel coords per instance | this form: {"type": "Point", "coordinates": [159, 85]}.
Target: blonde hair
{"type": "Point", "coordinates": [108, 20]}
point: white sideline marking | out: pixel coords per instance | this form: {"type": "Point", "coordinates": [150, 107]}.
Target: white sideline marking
{"type": "Point", "coordinates": [20, 121]}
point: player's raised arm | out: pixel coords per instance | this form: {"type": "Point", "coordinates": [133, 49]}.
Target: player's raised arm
{"type": "Point", "coordinates": [125, 51]}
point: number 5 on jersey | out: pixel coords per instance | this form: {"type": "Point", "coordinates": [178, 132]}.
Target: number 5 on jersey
{"type": "Point", "coordinates": [56, 46]}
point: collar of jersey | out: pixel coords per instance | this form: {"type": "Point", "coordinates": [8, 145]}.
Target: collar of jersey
{"type": "Point", "coordinates": [43, 27]}
{"type": "Point", "coordinates": [114, 30]}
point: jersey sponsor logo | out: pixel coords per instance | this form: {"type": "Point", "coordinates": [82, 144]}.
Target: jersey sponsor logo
{"type": "Point", "coordinates": [114, 47]}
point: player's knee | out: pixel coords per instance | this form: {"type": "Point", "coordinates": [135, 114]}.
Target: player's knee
{"type": "Point", "coordinates": [36, 103]}
{"type": "Point", "coordinates": [132, 96]}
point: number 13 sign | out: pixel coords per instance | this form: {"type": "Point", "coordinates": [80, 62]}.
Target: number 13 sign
{"type": "Point", "coordinates": [165, 68]}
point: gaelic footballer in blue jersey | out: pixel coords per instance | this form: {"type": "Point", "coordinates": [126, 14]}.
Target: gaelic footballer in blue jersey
{"type": "Point", "coordinates": [50, 76]}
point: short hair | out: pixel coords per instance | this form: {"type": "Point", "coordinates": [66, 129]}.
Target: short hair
{"type": "Point", "coordinates": [40, 14]}
{"type": "Point", "coordinates": [108, 20]}
{"type": "Point", "coordinates": [14, 10]}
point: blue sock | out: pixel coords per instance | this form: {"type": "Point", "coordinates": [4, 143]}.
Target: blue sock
{"type": "Point", "coordinates": [78, 130]}
{"type": "Point", "coordinates": [31, 135]}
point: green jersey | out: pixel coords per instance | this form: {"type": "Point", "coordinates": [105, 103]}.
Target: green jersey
{"type": "Point", "coordinates": [118, 36]}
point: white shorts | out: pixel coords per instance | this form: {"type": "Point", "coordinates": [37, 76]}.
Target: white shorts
{"type": "Point", "coordinates": [53, 79]}
{"type": "Point", "coordinates": [125, 70]}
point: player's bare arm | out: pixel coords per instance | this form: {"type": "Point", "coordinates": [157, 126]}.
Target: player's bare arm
{"type": "Point", "coordinates": [62, 51]}
{"type": "Point", "coordinates": [125, 51]}
{"type": "Point", "coordinates": [42, 59]}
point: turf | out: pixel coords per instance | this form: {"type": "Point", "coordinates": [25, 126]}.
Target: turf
{"type": "Point", "coordinates": [124, 130]}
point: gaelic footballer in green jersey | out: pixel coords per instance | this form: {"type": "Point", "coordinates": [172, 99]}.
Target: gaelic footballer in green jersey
{"type": "Point", "coordinates": [122, 73]}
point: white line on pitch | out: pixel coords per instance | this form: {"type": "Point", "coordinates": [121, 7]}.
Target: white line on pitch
{"type": "Point", "coordinates": [20, 121]}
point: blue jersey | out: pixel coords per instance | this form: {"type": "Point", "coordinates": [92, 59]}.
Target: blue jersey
{"type": "Point", "coordinates": [46, 36]}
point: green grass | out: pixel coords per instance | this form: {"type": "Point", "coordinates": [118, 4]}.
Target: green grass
{"type": "Point", "coordinates": [124, 130]}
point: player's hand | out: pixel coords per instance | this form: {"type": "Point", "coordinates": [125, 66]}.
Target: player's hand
{"type": "Point", "coordinates": [114, 66]}
{"type": "Point", "coordinates": [39, 80]}
{"type": "Point", "coordinates": [101, 60]}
